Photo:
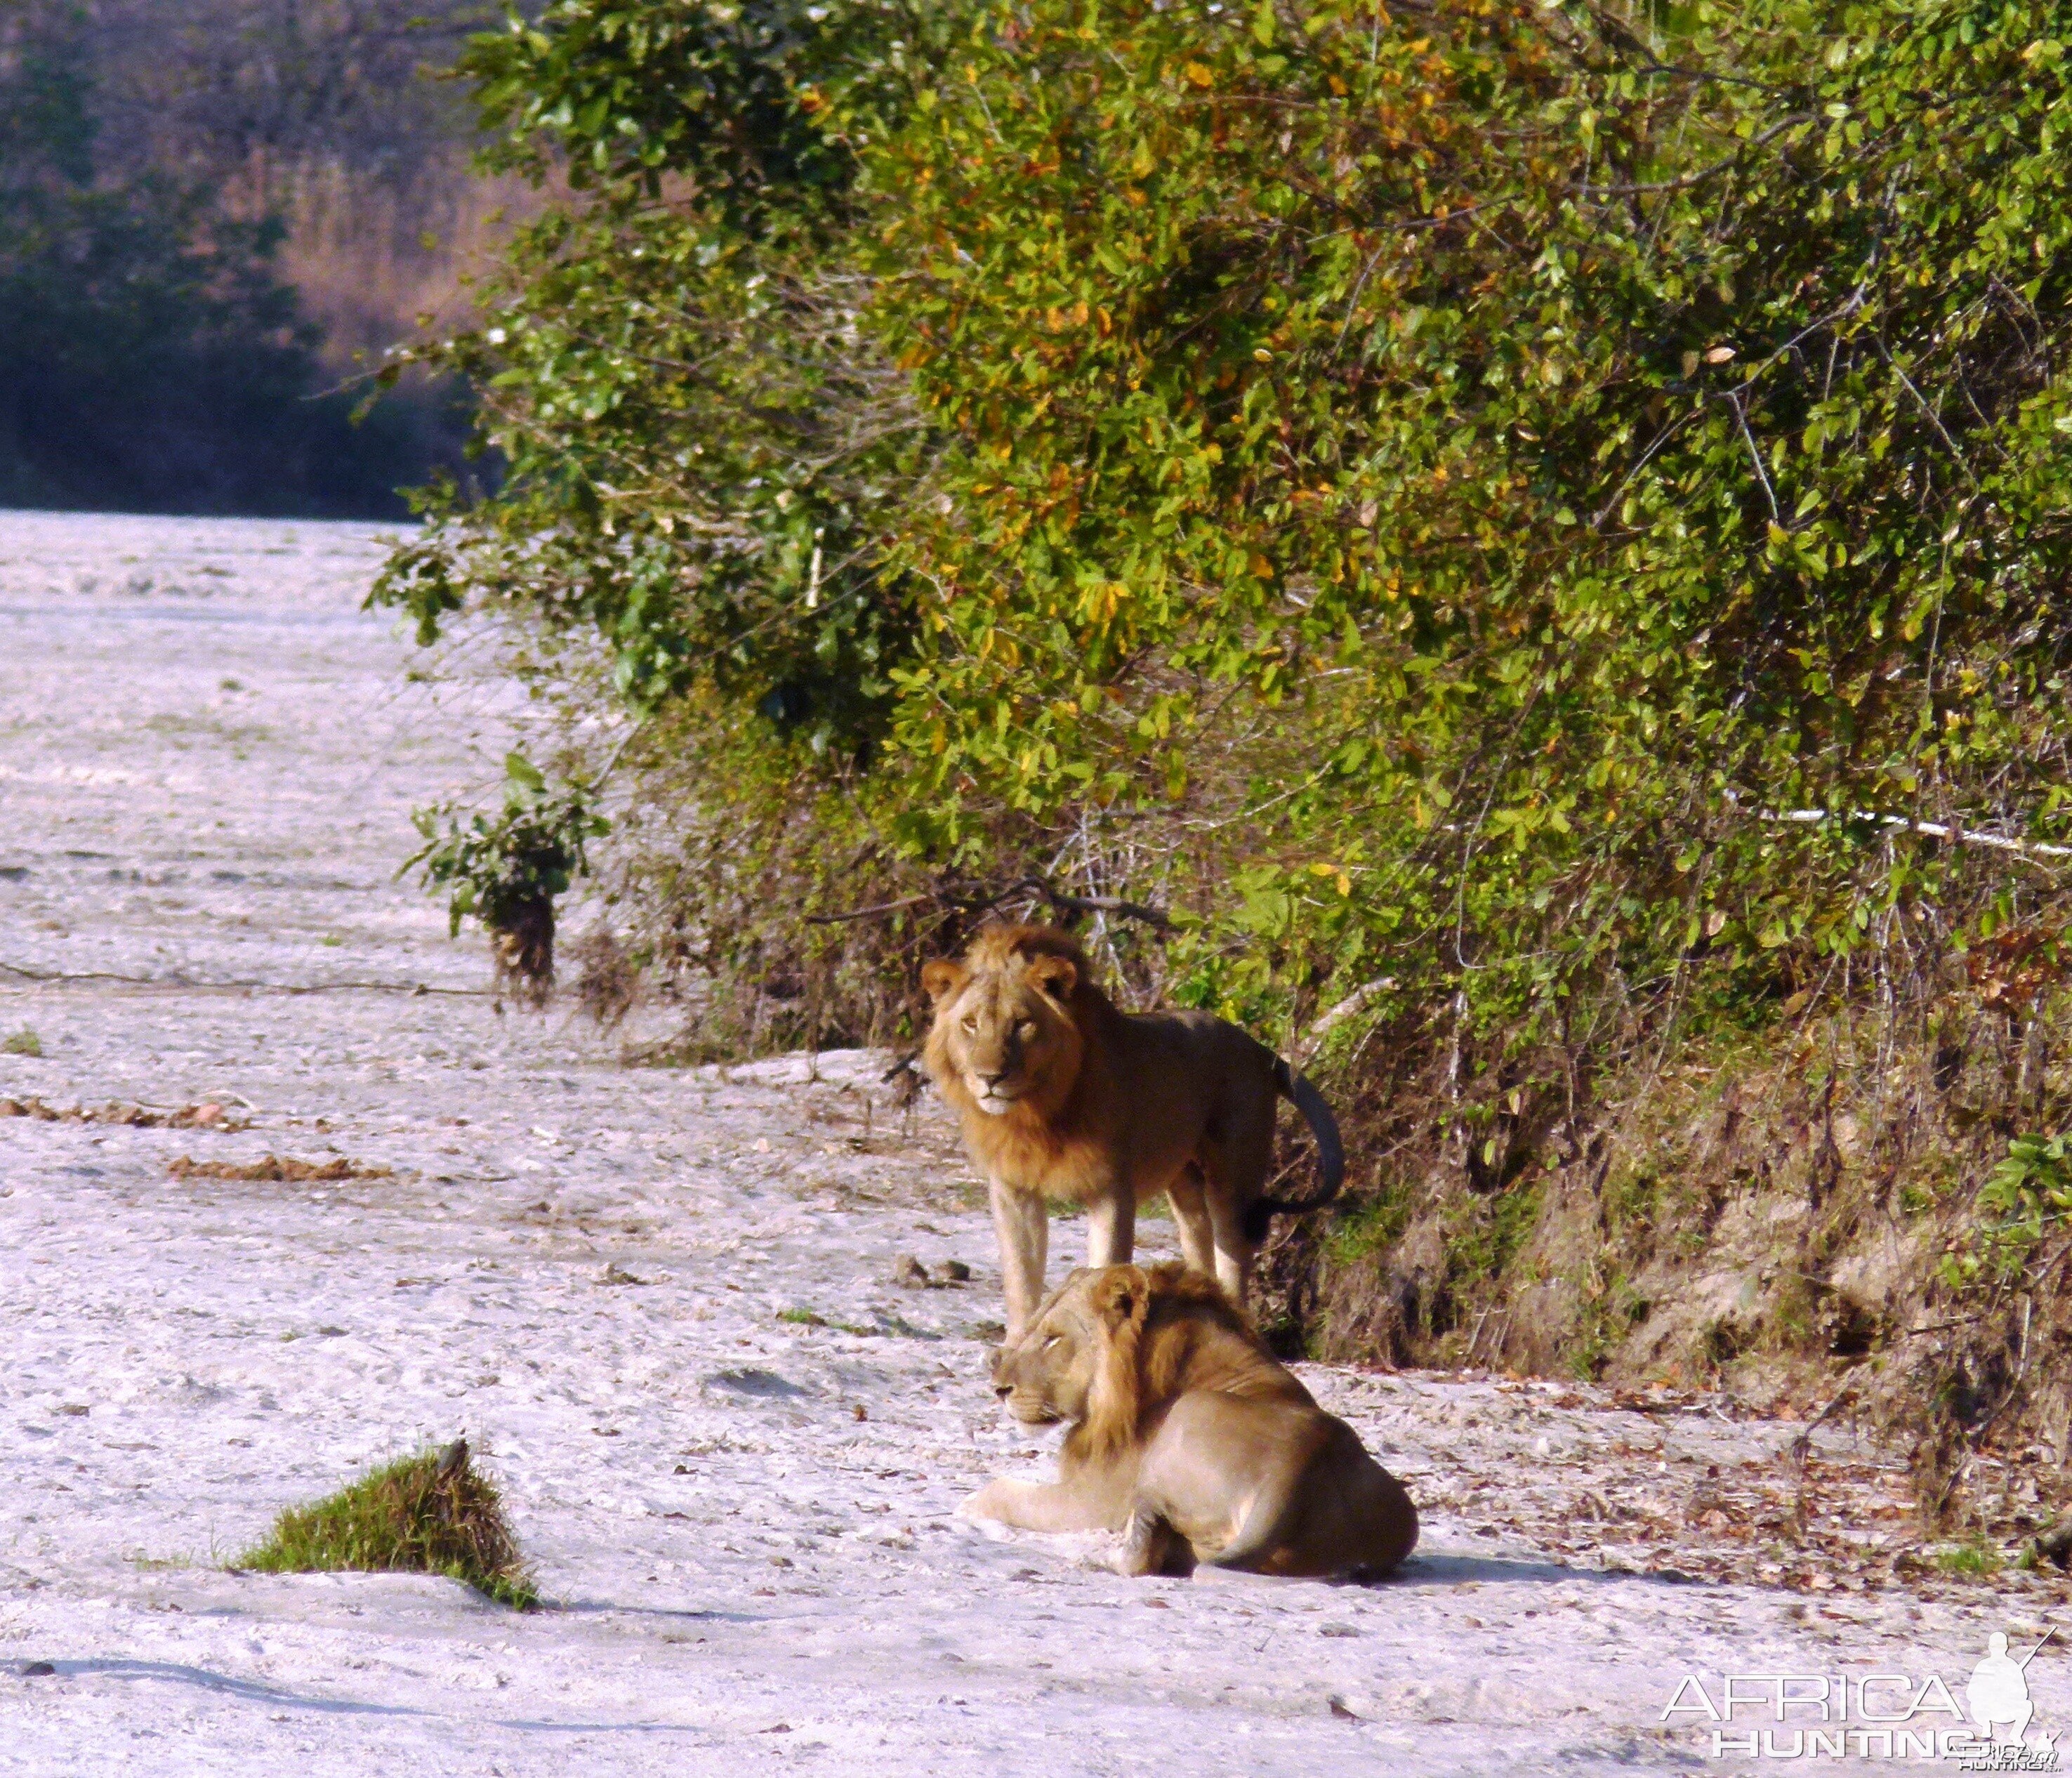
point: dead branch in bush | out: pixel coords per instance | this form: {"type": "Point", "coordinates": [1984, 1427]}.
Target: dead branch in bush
{"type": "Point", "coordinates": [965, 900]}
{"type": "Point", "coordinates": [1934, 830]}
{"type": "Point", "coordinates": [1345, 1008]}
{"type": "Point", "coordinates": [608, 984]}
{"type": "Point", "coordinates": [868, 913]}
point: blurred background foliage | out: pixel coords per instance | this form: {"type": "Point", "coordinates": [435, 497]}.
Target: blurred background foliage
{"type": "Point", "coordinates": [1536, 533]}
{"type": "Point", "coordinates": [214, 216]}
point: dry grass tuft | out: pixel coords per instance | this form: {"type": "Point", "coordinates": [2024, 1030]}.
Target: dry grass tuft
{"type": "Point", "coordinates": [433, 1513]}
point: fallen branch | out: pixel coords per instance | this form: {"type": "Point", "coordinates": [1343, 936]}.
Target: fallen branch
{"type": "Point", "coordinates": [1801, 1447]}
{"type": "Point", "coordinates": [277, 1169]}
{"type": "Point", "coordinates": [206, 1114]}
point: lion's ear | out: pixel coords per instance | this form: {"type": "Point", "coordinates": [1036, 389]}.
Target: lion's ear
{"type": "Point", "coordinates": [1123, 1296]}
{"type": "Point", "coordinates": [942, 979]}
{"type": "Point", "coordinates": [1055, 976]}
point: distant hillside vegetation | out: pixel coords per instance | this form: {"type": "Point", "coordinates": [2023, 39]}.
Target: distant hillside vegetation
{"type": "Point", "coordinates": [214, 216]}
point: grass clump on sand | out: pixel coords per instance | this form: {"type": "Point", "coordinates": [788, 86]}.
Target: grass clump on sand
{"type": "Point", "coordinates": [434, 1513]}
{"type": "Point", "coordinates": [1974, 1559]}
{"type": "Point", "coordinates": [25, 1042]}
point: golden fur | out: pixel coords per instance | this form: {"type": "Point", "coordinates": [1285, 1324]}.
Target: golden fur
{"type": "Point", "coordinates": [1189, 1437]}
{"type": "Point", "coordinates": [1060, 1095]}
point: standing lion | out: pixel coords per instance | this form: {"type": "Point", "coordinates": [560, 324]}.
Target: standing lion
{"type": "Point", "coordinates": [1062, 1095]}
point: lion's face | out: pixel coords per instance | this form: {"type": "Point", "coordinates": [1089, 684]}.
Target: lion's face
{"type": "Point", "coordinates": [1048, 1373]}
{"type": "Point", "coordinates": [1006, 1032]}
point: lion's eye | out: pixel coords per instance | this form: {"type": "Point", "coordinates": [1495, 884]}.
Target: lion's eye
{"type": "Point", "coordinates": [1055, 1339]}
{"type": "Point", "coordinates": [971, 1024]}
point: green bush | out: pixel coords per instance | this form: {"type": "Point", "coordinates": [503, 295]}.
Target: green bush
{"type": "Point", "coordinates": [1525, 506]}
{"type": "Point", "coordinates": [2024, 1197]}
{"type": "Point", "coordinates": [152, 356]}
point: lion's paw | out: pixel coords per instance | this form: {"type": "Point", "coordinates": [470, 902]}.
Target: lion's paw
{"type": "Point", "coordinates": [989, 1504]}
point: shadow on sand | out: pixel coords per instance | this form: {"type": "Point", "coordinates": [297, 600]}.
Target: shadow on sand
{"type": "Point", "coordinates": [250, 1692]}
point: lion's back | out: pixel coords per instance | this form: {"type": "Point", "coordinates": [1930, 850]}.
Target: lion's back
{"type": "Point", "coordinates": [1211, 1053]}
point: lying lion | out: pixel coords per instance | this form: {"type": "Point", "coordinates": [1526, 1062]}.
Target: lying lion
{"type": "Point", "coordinates": [1062, 1095]}
{"type": "Point", "coordinates": [1189, 1437]}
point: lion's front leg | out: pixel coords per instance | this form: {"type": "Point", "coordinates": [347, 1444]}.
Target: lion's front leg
{"type": "Point", "coordinates": [1112, 1227]}
{"type": "Point", "coordinates": [1040, 1506]}
{"type": "Point", "coordinates": [1022, 1221]}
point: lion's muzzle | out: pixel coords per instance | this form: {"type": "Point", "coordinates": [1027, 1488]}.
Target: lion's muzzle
{"type": "Point", "coordinates": [1026, 1404]}
{"type": "Point", "coordinates": [991, 1094]}
{"type": "Point", "coordinates": [1030, 1411]}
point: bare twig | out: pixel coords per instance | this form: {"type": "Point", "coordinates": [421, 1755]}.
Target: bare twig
{"type": "Point", "coordinates": [1755, 456]}
{"type": "Point", "coordinates": [1802, 1446]}
{"type": "Point", "coordinates": [872, 912]}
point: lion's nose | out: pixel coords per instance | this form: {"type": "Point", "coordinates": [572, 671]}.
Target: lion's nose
{"type": "Point", "coordinates": [993, 1080]}
{"type": "Point", "coordinates": [1003, 1390]}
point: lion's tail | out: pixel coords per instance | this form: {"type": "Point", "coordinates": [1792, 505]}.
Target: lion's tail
{"type": "Point", "coordinates": [1330, 1152]}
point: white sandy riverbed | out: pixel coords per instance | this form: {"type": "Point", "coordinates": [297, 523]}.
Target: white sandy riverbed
{"type": "Point", "coordinates": [745, 1525]}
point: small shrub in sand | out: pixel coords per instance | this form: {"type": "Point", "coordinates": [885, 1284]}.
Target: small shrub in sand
{"type": "Point", "coordinates": [432, 1514]}
{"type": "Point", "coordinates": [24, 1042]}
